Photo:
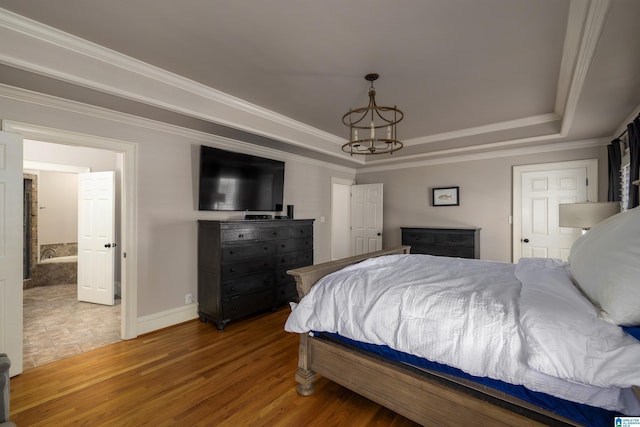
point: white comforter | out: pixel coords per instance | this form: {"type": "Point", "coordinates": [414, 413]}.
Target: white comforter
{"type": "Point", "coordinates": [524, 324]}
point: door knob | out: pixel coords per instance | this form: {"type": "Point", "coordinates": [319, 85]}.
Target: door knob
{"type": "Point", "coordinates": [379, 234]}
{"type": "Point", "coordinates": [107, 245]}
{"type": "Point", "coordinates": [525, 240]}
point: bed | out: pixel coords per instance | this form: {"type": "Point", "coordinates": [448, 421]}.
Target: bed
{"type": "Point", "coordinates": [552, 382]}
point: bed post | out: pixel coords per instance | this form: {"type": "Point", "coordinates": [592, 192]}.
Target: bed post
{"type": "Point", "coordinates": [304, 376]}
{"type": "Point", "coordinates": [305, 278]}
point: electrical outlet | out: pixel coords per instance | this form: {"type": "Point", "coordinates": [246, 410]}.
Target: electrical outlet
{"type": "Point", "coordinates": [188, 298]}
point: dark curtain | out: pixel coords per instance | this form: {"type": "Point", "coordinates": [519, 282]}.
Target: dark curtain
{"type": "Point", "coordinates": [633, 132]}
{"type": "Point", "coordinates": [615, 160]}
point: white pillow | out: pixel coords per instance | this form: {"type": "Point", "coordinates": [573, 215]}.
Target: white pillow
{"type": "Point", "coordinates": [605, 263]}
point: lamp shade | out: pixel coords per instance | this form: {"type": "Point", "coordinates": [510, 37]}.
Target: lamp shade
{"type": "Point", "coordinates": [586, 215]}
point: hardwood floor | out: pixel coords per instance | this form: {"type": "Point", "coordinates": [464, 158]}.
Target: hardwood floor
{"type": "Point", "coordinates": [190, 375]}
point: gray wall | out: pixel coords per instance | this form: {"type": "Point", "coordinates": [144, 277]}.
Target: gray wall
{"type": "Point", "coordinates": [167, 213]}
{"type": "Point", "coordinates": [485, 196]}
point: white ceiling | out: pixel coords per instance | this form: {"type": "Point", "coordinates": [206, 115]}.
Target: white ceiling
{"type": "Point", "coordinates": [470, 75]}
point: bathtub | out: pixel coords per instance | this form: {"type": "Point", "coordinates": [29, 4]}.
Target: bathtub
{"type": "Point", "coordinates": [60, 270]}
{"type": "Point", "coordinates": [64, 259]}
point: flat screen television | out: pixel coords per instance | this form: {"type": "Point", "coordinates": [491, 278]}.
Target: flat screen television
{"type": "Point", "coordinates": [239, 182]}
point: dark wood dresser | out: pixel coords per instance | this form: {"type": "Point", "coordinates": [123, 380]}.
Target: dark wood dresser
{"type": "Point", "coordinates": [461, 242]}
{"type": "Point", "coordinates": [242, 266]}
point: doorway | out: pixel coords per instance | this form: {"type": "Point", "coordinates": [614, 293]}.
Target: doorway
{"type": "Point", "coordinates": [356, 218]}
{"type": "Point", "coordinates": [537, 191]}
{"type": "Point", "coordinates": [127, 163]}
{"type": "Point", "coordinates": [56, 323]}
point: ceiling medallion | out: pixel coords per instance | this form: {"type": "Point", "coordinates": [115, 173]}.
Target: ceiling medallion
{"type": "Point", "coordinates": [377, 126]}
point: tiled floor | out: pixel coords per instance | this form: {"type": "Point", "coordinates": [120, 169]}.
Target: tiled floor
{"type": "Point", "coordinates": [56, 325]}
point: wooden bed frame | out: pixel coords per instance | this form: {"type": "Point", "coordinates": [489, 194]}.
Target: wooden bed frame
{"type": "Point", "coordinates": [424, 396]}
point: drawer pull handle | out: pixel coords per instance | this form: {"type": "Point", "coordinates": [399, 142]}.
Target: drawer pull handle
{"type": "Point", "coordinates": [240, 236]}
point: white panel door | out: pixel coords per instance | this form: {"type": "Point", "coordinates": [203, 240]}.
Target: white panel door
{"type": "Point", "coordinates": [11, 246]}
{"type": "Point", "coordinates": [542, 192]}
{"type": "Point", "coordinates": [96, 229]}
{"type": "Point", "coordinates": [366, 218]}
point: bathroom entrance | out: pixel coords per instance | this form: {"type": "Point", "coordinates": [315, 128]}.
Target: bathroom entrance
{"type": "Point", "coordinates": [56, 324]}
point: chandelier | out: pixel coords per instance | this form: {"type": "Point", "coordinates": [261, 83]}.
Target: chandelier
{"type": "Point", "coordinates": [377, 126]}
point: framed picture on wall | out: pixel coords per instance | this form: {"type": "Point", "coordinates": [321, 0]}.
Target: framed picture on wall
{"type": "Point", "coordinates": [446, 196]}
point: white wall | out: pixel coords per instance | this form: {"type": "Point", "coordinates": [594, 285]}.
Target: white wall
{"type": "Point", "coordinates": [485, 196]}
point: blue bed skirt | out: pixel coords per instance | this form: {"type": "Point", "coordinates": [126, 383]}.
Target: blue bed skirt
{"type": "Point", "coordinates": [634, 331]}
{"type": "Point", "coordinates": [584, 414]}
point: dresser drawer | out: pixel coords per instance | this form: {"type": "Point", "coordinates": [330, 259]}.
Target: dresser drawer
{"type": "Point", "coordinates": [248, 284]}
{"type": "Point", "coordinates": [243, 305]}
{"type": "Point", "coordinates": [295, 259]}
{"type": "Point", "coordinates": [274, 233]}
{"type": "Point", "coordinates": [454, 240]}
{"type": "Point", "coordinates": [416, 237]}
{"type": "Point", "coordinates": [233, 271]}
{"type": "Point", "coordinates": [236, 252]}
{"type": "Point", "coordinates": [288, 245]}
{"type": "Point", "coordinates": [239, 234]}
{"type": "Point", "coordinates": [301, 231]}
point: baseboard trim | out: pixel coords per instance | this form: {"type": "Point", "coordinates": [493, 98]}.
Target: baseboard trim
{"type": "Point", "coordinates": [167, 318]}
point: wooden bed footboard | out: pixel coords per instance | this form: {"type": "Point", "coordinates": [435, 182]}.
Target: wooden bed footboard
{"type": "Point", "coordinates": [426, 397]}
{"type": "Point", "coordinates": [305, 278]}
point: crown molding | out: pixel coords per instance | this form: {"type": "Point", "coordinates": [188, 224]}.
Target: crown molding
{"type": "Point", "coordinates": [494, 127]}
{"type": "Point", "coordinates": [511, 152]}
{"type": "Point", "coordinates": [594, 20]}
{"type": "Point", "coordinates": [68, 137]}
